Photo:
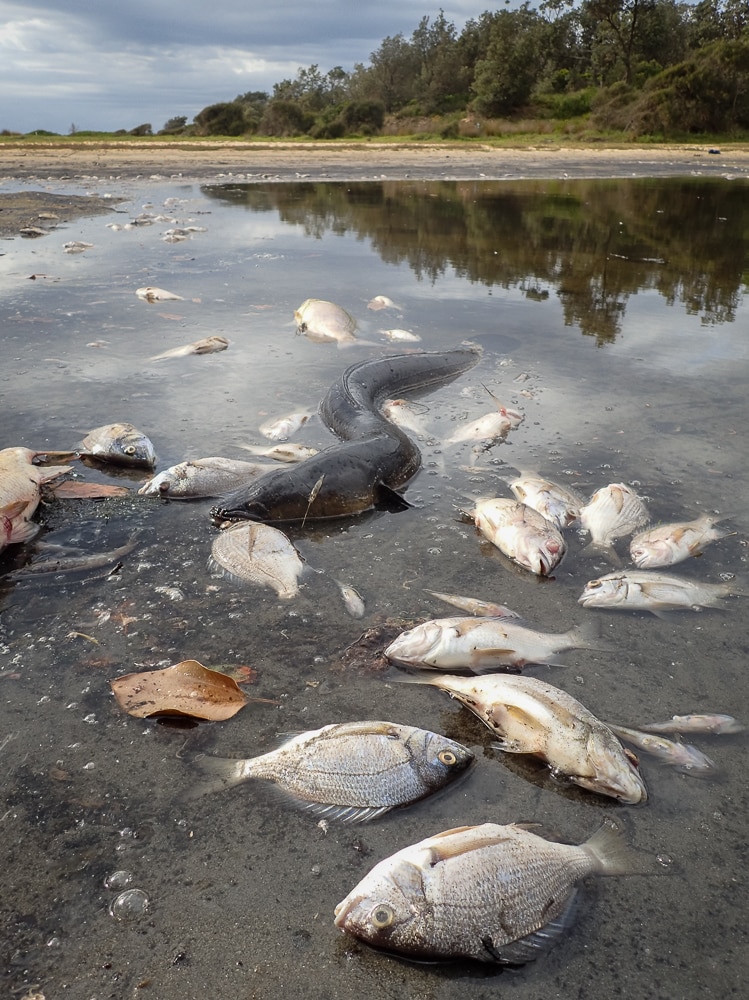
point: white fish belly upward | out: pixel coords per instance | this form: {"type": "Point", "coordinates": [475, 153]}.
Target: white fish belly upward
{"type": "Point", "coordinates": [492, 893]}
{"type": "Point", "coordinates": [524, 535]}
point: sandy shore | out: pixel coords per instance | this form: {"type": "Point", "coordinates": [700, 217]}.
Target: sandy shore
{"type": "Point", "coordinates": [53, 167]}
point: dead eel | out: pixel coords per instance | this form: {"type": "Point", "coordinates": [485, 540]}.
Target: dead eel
{"type": "Point", "coordinates": [374, 457]}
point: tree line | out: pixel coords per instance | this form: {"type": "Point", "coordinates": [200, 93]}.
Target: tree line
{"type": "Point", "coordinates": [642, 67]}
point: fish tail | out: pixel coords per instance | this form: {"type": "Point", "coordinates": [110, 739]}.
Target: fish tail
{"type": "Point", "coordinates": [613, 855]}
{"type": "Point", "coordinates": [217, 774]}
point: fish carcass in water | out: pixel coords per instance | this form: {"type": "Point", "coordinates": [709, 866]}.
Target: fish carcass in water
{"type": "Point", "coordinates": [482, 644]}
{"type": "Point", "coordinates": [401, 336]}
{"type": "Point", "coordinates": [150, 293]}
{"type": "Point", "coordinates": [524, 535]}
{"type": "Point", "coordinates": [288, 451]}
{"type": "Point", "coordinates": [714, 725]}
{"type": "Point", "coordinates": [490, 427]}
{"type": "Point", "coordinates": [683, 756]}
{"type": "Point", "coordinates": [74, 563]}
{"type": "Point", "coordinates": [612, 512]}
{"type": "Point", "coordinates": [530, 716]}
{"type": "Point", "coordinates": [324, 321]}
{"type": "Point", "coordinates": [20, 493]}
{"type": "Point", "coordinates": [667, 544]}
{"type": "Point", "coordinates": [120, 444]}
{"type": "Point", "coordinates": [208, 345]}
{"type": "Point", "coordinates": [203, 477]}
{"type": "Point", "coordinates": [406, 414]}
{"type": "Point", "coordinates": [258, 553]}
{"type": "Point", "coordinates": [644, 590]}
{"type": "Point", "coordinates": [381, 302]}
{"type": "Point", "coordinates": [283, 427]}
{"type": "Point", "coordinates": [353, 772]}
{"type": "Point", "coordinates": [555, 502]}
{"type": "Point", "coordinates": [475, 606]}
{"type": "Point", "coordinates": [489, 892]}
{"type": "Point", "coordinates": [375, 458]}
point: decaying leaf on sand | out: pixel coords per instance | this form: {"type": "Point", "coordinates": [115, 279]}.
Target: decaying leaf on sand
{"type": "Point", "coordinates": [187, 688]}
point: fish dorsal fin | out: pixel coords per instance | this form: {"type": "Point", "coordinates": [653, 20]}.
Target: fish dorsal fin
{"type": "Point", "coordinates": [464, 840]}
{"type": "Point", "coordinates": [532, 946]}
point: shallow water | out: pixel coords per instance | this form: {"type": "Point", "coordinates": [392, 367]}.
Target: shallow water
{"type": "Point", "coordinates": [615, 316]}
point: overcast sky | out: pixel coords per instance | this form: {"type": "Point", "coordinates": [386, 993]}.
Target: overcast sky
{"type": "Point", "coordinates": [111, 64]}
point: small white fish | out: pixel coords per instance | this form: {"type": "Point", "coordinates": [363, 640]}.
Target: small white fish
{"type": "Point", "coordinates": [683, 756]}
{"type": "Point", "coordinates": [208, 345]}
{"type": "Point", "coordinates": [490, 427]}
{"type": "Point", "coordinates": [557, 503]}
{"type": "Point", "coordinates": [714, 725]}
{"type": "Point", "coordinates": [406, 414]}
{"type": "Point", "coordinates": [76, 246]}
{"type": "Point", "coordinates": [323, 321]}
{"type": "Point", "coordinates": [252, 552]}
{"type": "Point", "coordinates": [283, 427]}
{"type": "Point", "coordinates": [152, 294]}
{"type": "Point", "coordinates": [401, 336]}
{"type": "Point", "coordinates": [612, 512]}
{"type": "Point", "coordinates": [352, 600]}
{"type": "Point", "coordinates": [289, 452]}
{"type": "Point", "coordinates": [643, 590]}
{"type": "Point", "coordinates": [202, 477]}
{"type": "Point", "coordinates": [475, 606]}
{"type": "Point", "coordinates": [381, 302]}
{"type": "Point", "coordinates": [667, 544]}
{"type": "Point", "coordinates": [524, 535]}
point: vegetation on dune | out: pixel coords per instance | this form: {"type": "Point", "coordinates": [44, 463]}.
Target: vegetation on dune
{"type": "Point", "coordinates": [635, 69]}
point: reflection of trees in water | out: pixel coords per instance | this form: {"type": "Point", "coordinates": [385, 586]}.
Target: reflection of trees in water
{"type": "Point", "coordinates": [595, 243]}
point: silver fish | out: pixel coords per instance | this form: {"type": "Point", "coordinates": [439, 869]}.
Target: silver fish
{"type": "Point", "coordinates": [252, 552]}
{"type": "Point", "coordinates": [555, 502]}
{"type": "Point", "coordinates": [150, 293]}
{"type": "Point", "coordinates": [208, 345]}
{"type": "Point", "coordinates": [283, 427]}
{"type": "Point", "coordinates": [20, 493]}
{"type": "Point", "coordinates": [401, 336]}
{"type": "Point", "coordinates": [381, 302]}
{"type": "Point", "coordinates": [352, 600]}
{"type": "Point", "coordinates": [73, 563]}
{"type": "Point", "coordinates": [490, 427]}
{"type": "Point", "coordinates": [644, 590]}
{"type": "Point", "coordinates": [321, 320]}
{"type": "Point", "coordinates": [289, 451]}
{"type": "Point", "coordinates": [353, 772]}
{"type": "Point", "coordinates": [524, 535]}
{"type": "Point", "coordinates": [533, 717]}
{"type": "Point", "coordinates": [612, 512]}
{"type": "Point", "coordinates": [667, 544]}
{"type": "Point", "coordinates": [202, 477]}
{"type": "Point", "coordinates": [120, 444]}
{"type": "Point", "coordinates": [714, 725]}
{"type": "Point", "coordinates": [683, 756]}
{"type": "Point", "coordinates": [483, 644]}
{"type": "Point", "coordinates": [492, 893]}
{"type": "Point", "coordinates": [475, 606]}
{"type": "Point", "coordinates": [407, 415]}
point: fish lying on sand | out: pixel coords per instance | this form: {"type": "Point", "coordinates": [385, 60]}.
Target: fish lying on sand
{"type": "Point", "coordinates": [283, 427]}
{"type": "Point", "coordinates": [557, 503]}
{"type": "Point", "coordinates": [525, 536]}
{"type": "Point", "coordinates": [614, 511]}
{"type": "Point", "coordinates": [353, 772]}
{"type": "Point", "coordinates": [251, 552]}
{"type": "Point", "coordinates": [684, 756]}
{"type": "Point", "coordinates": [150, 293]}
{"type": "Point", "coordinates": [120, 444]}
{"type": "Point", "coordinates": [714, 725]}
{"type": "Point", "coordinates": [489, 892]}
{"type": "Point", "coordinates": [644, 590]}
{"type": "Point", "coordinates": [202, 477]}
{"type": "Point", "coordinates": [288, 451]}
{"type": "Point", "coordinates": [323, 321]}
{"type": "Point", "coordinates": [667, 544]}
{"type": "Point", "coordinates": [208, 345]}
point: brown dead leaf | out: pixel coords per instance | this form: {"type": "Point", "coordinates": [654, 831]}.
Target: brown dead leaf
{"type": "Point", "coordinates": [188, 688]}
{"type": "Point", "coordinates": [72, 490]}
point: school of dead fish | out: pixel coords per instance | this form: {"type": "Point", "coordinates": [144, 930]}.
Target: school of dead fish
{"type": "Point", "coordinates": [490, 893]}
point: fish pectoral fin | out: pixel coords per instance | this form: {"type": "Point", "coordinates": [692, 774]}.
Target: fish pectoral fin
{"type": "Point", "coordinates": [532, 946]}
{"type": "Point", "coordinates": [509, 746]}
{"type": "Point", "coordinates": [386, 498]}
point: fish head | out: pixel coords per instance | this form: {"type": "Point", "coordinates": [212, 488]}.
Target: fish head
{"type": "Point", "coordinates": [388, 908]}
{"type": "Point", "coordinates": [651, 554]}
{"type": "Point", "coordinates": [417, 646]}
{"type": "Point", "coordinates": [158, 486]}
{"type": "Point", "coordinates": [614, 770]}
{"type": "Point", "coordinates": [443, 760]}
{"type": "Point", "coordinates": [604, 592]}
{"type": "Point", "coordinates": [540, 555]}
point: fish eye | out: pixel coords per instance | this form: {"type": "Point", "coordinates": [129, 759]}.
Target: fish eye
{"type": "Point", "coordinates": [130, 450]}
{"type": "Point", "coordinates": [594, 584]}
{"type": "Point", "coordinates": [447, 757]}
{"type": "Point", "coordinates": [382, 916]}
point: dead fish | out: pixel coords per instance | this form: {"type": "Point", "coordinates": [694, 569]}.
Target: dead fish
{"type": "Point", "coordinates": [120, 444]}
{"type": "Point", "coordinates": [491, 893]}
{"type": "Point", "coordinates": [714, 725]}
{"type": "Point", "coordinates": [283, 427]}
{"type": "Point", "coordinates": [524, 535]}
{"type": "Point", "coordinates": [667, 544]}
{"type": "Point", "coordinates": [381, 302]}
{"type": "Point", "coordinates": [20, 492]}
{"type": "Point", "coordinates": [490, 427]}
{"type": "Point", "coordinates": [555, 502]}
{"type": "Point", "coordinates": [483, 644]}
{"type": "Point", "coordinates": [401, 336]}
{"type": "Point", "coordinates": [74, 564]}
{"type": "Point", "coordinates": [254, 552]}
{"type": "Point", "coordinates": [152, 294]}
{"type": "Point", "coordinates": [644, 590]}
{"type": "Point", "coordinates": [683, 756]}
{"type": "Point", "coordinates": [208, 345]}
{"type": "Point", "coordinates": [407, 415]}
{"type": "Point", "coordinates": [203, 477]}
{"type": "Point", "coordinates": [352, 600]}
{"type": "Point", "coordinates": [475, 606]}
{"type": "Point", "coordinates": [353, 772]}
{"type": "Point", "coordinates": [612, 512]}
{"type": "Point", "coordinates": [533, 717]}
{"type": "Point", "coordinates": [324, 321]}
{"type": "Point", "coordinates": [76, 246]}
{"type": "Point", "coordinates": [289, 452]}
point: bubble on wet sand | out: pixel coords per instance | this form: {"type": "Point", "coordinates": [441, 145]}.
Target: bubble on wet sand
{"type": "Point", "coordinates": [132, 904]}
{"type": "Point", "coordinates": [118, 880]}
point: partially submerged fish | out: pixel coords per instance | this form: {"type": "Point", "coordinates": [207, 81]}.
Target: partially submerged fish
{"type": "Point", "coordinates": [667, 544]}
{"type": "Point", "coordinates": [375, 458]}
{"type": "Point", "coordinates": [321, 320]}
{"type": "Point", "coordinates": [483, 644]}
{"type": "Point", "coordinates": [475, 606]}
{"type": "Point", "coordinates": [289, 451]}
{"type": "Point", "coordinates": [202, 477]}
{"type": "Point", "coordinates": [353, 772]}
{"type": "Point", "coordinates": [406, 414]}
{"type": "Point", "coordinates": [74, 563]}
{"type": "Point", "coordinates": [683, 756]}
{"type": "Point", "coordinates": [150, 293]}
{"type": "Point", "coordinates": [352, 600]}
{"type": "Point", "coordinates": [524, 535]}
{"type": "Point", "coordinates": [491, 893]}
{"type": "Point", "coordinates": [490, 427]}
{"type": "Point", "coordinates": [555, 502]}
{"type": "Point", "coordinates": [612, 512]}
{"type": "Point", "coordinates": [381, 302]}
{"type": "Point", "coordinates": [644, 590]}
{"type": "Point", "coordinates": [258, 553]}
{"type": "Point", "coordinates": [401, 336]}
{"type": "Point", "coordinates": [20, 492]}
{"type": "Point", "coordinates": [120, 444]}
{"type": "Point", "coordinates": [283, 427]}
{"type": "Point", "coordinates": [714, 725]}
{"type": "Point", "coordinates": [530, 716]}
{"type": "Point", "coordinates": [208, 345]}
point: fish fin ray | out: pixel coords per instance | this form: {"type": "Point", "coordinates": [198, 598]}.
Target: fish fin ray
{"type": "Point", "coordinates": [532, 946]}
